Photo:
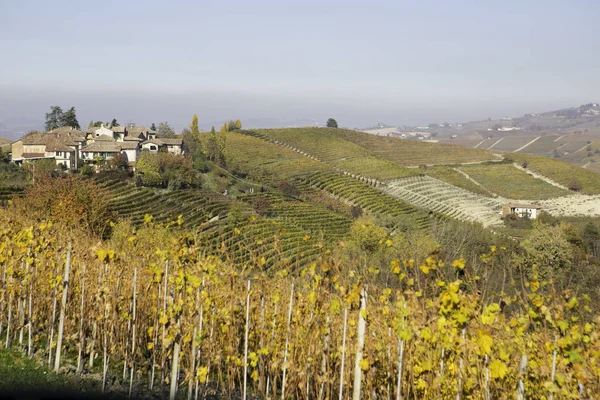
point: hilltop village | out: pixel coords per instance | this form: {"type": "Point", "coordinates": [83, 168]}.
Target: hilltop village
{"type": "Point", "coordinates": [72, 148]}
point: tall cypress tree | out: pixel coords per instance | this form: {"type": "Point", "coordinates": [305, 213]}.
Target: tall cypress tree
{"type": "Point", "coordinates": [194, 125]}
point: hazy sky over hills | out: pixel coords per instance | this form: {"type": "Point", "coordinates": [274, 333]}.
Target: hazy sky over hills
{"type": "Point", "coordinates": [400, 62]}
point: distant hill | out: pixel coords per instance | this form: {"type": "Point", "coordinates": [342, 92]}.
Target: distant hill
{"type": "Point", "coordinates": [5, 143]}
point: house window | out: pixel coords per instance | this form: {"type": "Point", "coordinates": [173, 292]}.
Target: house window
{"type": "Point", "coordinates": [153, 148]}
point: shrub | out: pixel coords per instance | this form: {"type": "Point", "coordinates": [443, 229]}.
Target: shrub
{"type": "Point", "coordinates": [288, 189]}
{"type": "Point", "coordinates": [261, 205]}
{"type": "Point", "coordinates": [70, 199]}
{"type": "Point", "coordinates": [118, 162]}
{"type": "Point", "coordinates": [87, 170]}
{"type": "Point", "coordinates": [356, 212]}
{"type": "Point", "coordinates": [525, 164]}
{"type": "Point", "coordinates": [164, 169]}
{"type": "Point", "coordinates": [575, 185]}
{"type": "Point", "coordinates": [514, 221]}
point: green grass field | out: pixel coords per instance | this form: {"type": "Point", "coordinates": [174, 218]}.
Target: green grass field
{"type": "Point", "coordinates": [507, 181]}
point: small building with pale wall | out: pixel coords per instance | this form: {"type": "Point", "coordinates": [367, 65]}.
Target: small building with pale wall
{"type": "Point", "coordinates": [530, 211]}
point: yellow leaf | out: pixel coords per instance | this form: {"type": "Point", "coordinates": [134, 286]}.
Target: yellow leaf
{"type": "Point", "coordinates": [485, 342]}
{"type": "Point", "coordinates": [364, 364]}
{"type": "Point", "coordinates": [460, 264]}
{"type": "Point", "coordinates": [202, 374]}
{"type": "Point", "coordinates": [498, 369]}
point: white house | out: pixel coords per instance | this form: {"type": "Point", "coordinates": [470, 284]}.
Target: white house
{"type": "Point", "coordinates": [173, 146]}
{"type": "Point", "coordinates": [530, 211]}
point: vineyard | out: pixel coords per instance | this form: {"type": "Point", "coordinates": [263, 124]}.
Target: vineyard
{"type": "Point", "coordinates": [6, 192]}
{"type": "Point", "coordinates": [267, 162]}
{"type": "Point", "coordinates": [560, 171]}
{"type": "Point", "coordinates": [454, 177]}
{"type": "Point", "coordinates": [146, 318]}
{"type": "Point", "coordinates": [512, 143]}
{"type": "Point", "coordinates": [432, 194]}
{"type": "Point", "coordinates": [507, 181]}
{"type": "Point", "coordinates": [369, 198]}
{"type": "Point", "coordinates": [342, 154]}
{"type": "Point", "coordinates": [412, 152]}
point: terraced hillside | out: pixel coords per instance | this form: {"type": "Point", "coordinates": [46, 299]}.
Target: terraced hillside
{"type": "Point", "coordinates": [7, 192]}
{"type": "Point", "coordinates": [507, 181]}
{"type": "Point", "coordinates": [433, 194]}
{"type": "Point", "coordinates": [266, 162]}
{"type": "Point", "coordinates": [270, 243]}
{"type": "Point", "coordinates": [454, 176]}
{"type": "Point", "coordinates": [316, 219]}
{"type": "Point", "coordinates": [369, 198]}
{"type": "Point", "coordinates": [412, 152]}
{"type": "Point", "coordinates": [196, 206]}
{"type": "Point", "coordinates": [340, 153]}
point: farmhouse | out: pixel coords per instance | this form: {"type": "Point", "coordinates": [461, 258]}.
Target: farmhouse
{"type": "Point", "coordinates": [62, 145]}
{"type": "Point", "coordinates": [170, 145]}
{"type": "Point", "coordinates": [522, 210]}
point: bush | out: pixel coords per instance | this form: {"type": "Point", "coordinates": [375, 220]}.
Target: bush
{"type": "Point", "coordinates": [69, 199]}
{"type": "Point", "coordinates": [575, 185]}
{"type": "Point", "coordinates": [514, 221]}
{"type": "Point", "coordinates": [546, 218]}
{"type": "Point", "coordinates": [261, 205]}
{"type": "Point", "coordinates": [356, 212]}
{"type": "Point", "coordinates": [87, 170]}
{"type": "Point", "coordinates": [288, 189]}
{"type": "Point", "coordinates": [164, 169]}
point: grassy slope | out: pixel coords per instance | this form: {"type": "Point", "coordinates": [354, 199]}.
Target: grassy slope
{"type": "Point", "coordinates": [507, 181]}
{"type": "Point", "coordinates": [21, 376]}
{"type": "Point", "coordinates": [339, 152]}
{"type": "Point", "coordinates": [560, 171]}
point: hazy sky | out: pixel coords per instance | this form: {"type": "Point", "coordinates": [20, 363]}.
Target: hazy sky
{"type": "Point", "coordinates": [399, 62]}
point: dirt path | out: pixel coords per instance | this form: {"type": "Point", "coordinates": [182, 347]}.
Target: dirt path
{"type": "Point", "coordinates": [498, 141]}
{"type": "Point", "coordinates": [560, 137]}
{"type": "Point", "coordinates": [542, 177]}
{"type": "Point", "coordinates": [463, 173]}
{"type": "Point", "coordinates": [479, 144]}
{"type": "Point", "coordinates": [522, 147]}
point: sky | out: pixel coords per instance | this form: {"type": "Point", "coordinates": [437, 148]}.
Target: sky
{"type": "Point", "coordinates": [360, 62]}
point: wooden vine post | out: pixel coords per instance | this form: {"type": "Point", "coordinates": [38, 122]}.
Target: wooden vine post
{"type": "Point", "coordinates": [522, 372]}
{"type": "Point", "coordinates": [81, 336]}
{"type": "Point", "coordinates": [246, 342]}
{"type": "Point", "coordinates": [63, 310]}
{"type": "Point", "coordinates": [360, 344]}
{"type": "Point", "coordinates": [341, 391]}
{"type": "Point", "coordinates": [287, 339]}
{"type": "Point", "coordinates": [133, 331]}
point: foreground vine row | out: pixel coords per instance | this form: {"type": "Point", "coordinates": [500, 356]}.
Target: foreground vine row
{"type": "Point", "coordinates": [149, 312]}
